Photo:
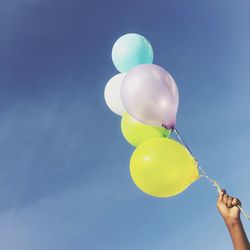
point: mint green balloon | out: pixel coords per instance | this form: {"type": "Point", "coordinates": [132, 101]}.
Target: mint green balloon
{"type": "Point", "coordinates": [131, 50]}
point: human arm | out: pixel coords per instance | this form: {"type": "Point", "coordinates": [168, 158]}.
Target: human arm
{"type": "Point", "coordinates": [229, 211]}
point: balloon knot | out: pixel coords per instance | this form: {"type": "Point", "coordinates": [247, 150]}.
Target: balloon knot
{"type": "Point", "coordinates": [169, 128]}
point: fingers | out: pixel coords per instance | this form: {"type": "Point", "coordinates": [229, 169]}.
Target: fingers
{"type": "Point", "coordinates": [228, 200]}
{"type": "Point", "coordinates": [221, 194]}
{"type": "Point", "coordinates": [236, 202]}
{"type": "Point", "coordinates": [225, 198]}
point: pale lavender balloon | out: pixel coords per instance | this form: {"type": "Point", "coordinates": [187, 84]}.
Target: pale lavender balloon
{"type": "Point", "coordinates": [150, 95]}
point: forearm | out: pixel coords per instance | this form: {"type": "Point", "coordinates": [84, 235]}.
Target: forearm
{"type": "Point", "coordinates": [237, 234]}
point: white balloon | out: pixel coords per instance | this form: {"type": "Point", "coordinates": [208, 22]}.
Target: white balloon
{"type": "Point", "coordinates": [112, 94]}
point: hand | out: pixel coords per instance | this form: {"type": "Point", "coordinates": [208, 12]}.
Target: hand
{"type": "Point", "coordinates": [227, 207]}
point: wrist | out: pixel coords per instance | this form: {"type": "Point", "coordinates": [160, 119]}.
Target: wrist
{"type": "Point", "coordinates": [232, 222]}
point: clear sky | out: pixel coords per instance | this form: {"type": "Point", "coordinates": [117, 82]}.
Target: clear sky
{"type": "Point", "coordinates": [64, 165]}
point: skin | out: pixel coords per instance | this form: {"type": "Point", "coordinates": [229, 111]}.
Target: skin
{"type": "Point", "coordinates": [230, 213]}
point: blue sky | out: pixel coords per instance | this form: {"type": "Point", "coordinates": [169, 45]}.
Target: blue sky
{"type": "Point", "coordinates": [64, 166]}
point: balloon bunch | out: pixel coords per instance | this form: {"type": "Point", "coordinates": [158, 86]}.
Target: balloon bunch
{"type": "Point", "coordinates": [147, 98]}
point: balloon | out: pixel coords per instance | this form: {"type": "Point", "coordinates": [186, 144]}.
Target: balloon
{"type": "Point", "coordinates": [162, 167]}
{"type": "Point", "coordinates": [112, 94]}
{"type": "Point", "coordinates": [136, 132]}
{"type": "Point", "coordinates": [130, 50]}
{"type": "Point", "coordinates": [150, 95]}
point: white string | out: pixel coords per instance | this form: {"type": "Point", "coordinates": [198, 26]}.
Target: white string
{"type": "Point", "coordinates": [203, 173]}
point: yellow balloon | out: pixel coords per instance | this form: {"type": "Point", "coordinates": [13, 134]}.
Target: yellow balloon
{"type": "Point", "coordinates": [136, 132]}
{"type": "Point", "coordinates": [162, 167]}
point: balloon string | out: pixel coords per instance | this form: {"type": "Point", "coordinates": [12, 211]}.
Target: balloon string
{"type": "Point", "coordinates": [203, 173]}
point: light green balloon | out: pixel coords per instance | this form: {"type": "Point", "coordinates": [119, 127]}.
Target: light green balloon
{"type": "Point", "coordinates": [131, 50]}
{"type": "Point", "coordinates": [136, 132]}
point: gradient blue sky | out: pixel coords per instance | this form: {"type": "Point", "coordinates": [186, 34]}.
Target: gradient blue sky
{"type": "Point", "coordinates": [64, 166]}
